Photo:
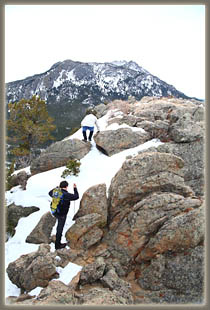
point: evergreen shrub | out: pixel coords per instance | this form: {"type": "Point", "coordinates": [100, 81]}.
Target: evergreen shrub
{"type": "Point", "coordinates": [72, 168]}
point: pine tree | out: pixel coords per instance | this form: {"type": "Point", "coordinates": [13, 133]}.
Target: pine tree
{"type": "Point", "coordinates": [29, 126]}
{"type": "Point", "coordinates": [72, 168]}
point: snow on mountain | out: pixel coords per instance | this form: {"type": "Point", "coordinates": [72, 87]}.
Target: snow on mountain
{"type": "Point", "coordinates": [119, 63]}
{"type": "Point", "coordinates": [110, 79]}
{"type": "Point", "coordinates": [69, 85]}
{"type": "Point", "coordinates": [95, 168]}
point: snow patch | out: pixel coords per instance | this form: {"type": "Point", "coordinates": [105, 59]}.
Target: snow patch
{"type": "Point", "coordinates": [67, 273]}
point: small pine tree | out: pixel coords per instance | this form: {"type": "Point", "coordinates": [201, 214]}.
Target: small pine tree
{"type": "Point", "coordinates": [29, 126]}
{"type": "Point", "coordinates": [72, 168]}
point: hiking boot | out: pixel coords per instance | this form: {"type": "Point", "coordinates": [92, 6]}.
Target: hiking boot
{"type": "Point", "coordinates": [60, 246]}
{"type": "Point", "coordinates": [84, 140]}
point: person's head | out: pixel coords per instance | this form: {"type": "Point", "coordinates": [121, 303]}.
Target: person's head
{"type": "Point", "coordinates": [64, 184]}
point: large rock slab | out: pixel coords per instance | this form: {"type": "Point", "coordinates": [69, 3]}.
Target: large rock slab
{"type": "Point", "coordinates": [42, 232]}
{"type": "Point", "coordinates": [123, 119]}
{"type": "Point", "coordinates": [193, 156]}
{"type": "Point", "coordinates": [171, 119]}
{"type": "Point", "coordinates": [121, 287]}
{"type": "Point", "coordinates": [143, 174]}
{"type": "Point", "coordinates": [192, 108]}
{"type": "Point", "coordinates": [14, 213]}
{"type": "Point", "coordinates": [97, 273]}
{"type": "Point", "coordinates": [180, 233]}
{"type": "Point", "coordinates": [58, 154]}
{"type": "Point", "coordinates": [90, 218]}
{"type": "Point", "coordinates": [90, 238]}
{"type": "Point", "coordinates": [186, 129]}
{"type": "Point", "coordinates": [178, 278]}
{"type": "Point", "coordinates": [19, 179]}
{"type": "Point", "coordinates": [56, 293]}
{"type": "Point", "coordinates": [94, 200]}
{"type": "Point", "coordinates": [157, 129]}
{"type": "Point", "coordinates": [92, 272]}
{"type": "Point", "coordinates": [33, 269]}
{"type": "Point", "coordinates": [82, 226]}
{"type": "Point", "coordinates": [102, 296]}
{"type": "Point", "coordinates": [112, 142]}
{"type": "Point", "coordinates": [151, 109]}
{"type": "Point", "coordinates": [100, 110]}
{"type": "Point", "coordinates": [131, 231]}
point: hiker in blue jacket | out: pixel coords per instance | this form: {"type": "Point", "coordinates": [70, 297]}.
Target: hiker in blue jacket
{"type": "Point", "coordinates": [63, 210]}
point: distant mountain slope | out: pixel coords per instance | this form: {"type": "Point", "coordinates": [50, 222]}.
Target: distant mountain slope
{"type": "Point", "coordinates": [69, 87]}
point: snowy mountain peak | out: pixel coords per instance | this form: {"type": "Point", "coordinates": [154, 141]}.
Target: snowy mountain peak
{"type": "Point", "coordinates": [106, 81]}
{"type": "Point", "coordinates": [76, 85]}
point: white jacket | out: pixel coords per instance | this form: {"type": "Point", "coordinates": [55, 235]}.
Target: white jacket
{"type": "Point", "coordinates": [90, 120]}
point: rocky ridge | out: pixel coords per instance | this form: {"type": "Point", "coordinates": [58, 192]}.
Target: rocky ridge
{"type": "Point", "coordinates": [101, 81]}
{"type": "Point", "coordinates": [72, 86]}
{"type": "Point", "coordinates": [142, 240]}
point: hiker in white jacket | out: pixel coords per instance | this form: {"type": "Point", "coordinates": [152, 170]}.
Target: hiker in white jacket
{"type": "Point", "coordinates": [88, 123]}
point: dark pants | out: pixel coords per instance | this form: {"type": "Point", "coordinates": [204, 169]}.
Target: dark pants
{"type": "Point", "coordinates": [84, 129]}
{"type": "Point", "coordinates": [61, 222]}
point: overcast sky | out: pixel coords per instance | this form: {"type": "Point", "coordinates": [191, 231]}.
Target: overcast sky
{"type": "Point", "coordinates": [166, 40]}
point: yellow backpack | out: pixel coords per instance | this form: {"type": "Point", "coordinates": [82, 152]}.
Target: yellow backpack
{"type": "Point", "coordinates": [57, 199]}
